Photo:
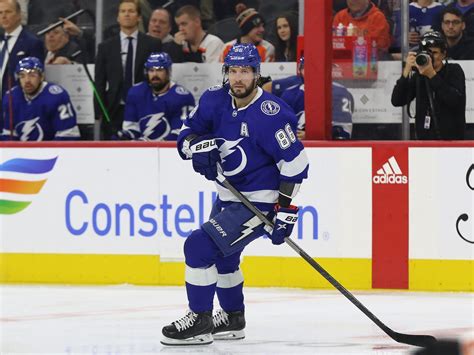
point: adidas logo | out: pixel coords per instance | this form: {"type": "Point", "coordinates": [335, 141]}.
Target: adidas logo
{"type": "Point", "coordinates": [390, 173]}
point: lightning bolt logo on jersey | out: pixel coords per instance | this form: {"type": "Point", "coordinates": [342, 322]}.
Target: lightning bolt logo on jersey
{"type": "Point", "coordinates": [155, 127]}
{"type": "Point", "coordinates": [234, 226]}
{"type": "Point", "coordinates": [49, 115]}
{"type": "Point", "coordinates": [156, 117]}
{"type": "Point", "coordinates": [267, 153]}
{"type": "Point", "coordinates": [30, 130]}
{"type": "Point", "coordinates": [234, 159]}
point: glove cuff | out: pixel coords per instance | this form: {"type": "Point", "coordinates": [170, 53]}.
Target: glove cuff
{"type": "Point", "coordinates": [290, 208]}
{"type": "Point", "coordinates": [287, 215]}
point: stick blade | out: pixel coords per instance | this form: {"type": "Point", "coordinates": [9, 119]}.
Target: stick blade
{"type": "Point", "coordinates": [416, 340]}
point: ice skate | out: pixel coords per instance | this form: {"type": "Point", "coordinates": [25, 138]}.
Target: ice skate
{"type": "Point", "coordinates": [192, 329]}
{"type": "Point", "coordinates": [228, 326]}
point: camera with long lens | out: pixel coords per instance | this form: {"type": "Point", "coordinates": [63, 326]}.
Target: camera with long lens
{"type": "Point", "coordinates": [422, 58]}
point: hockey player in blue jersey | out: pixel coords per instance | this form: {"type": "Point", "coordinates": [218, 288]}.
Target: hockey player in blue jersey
{"type": "Point", "coordinates": [40, 111]}
{"type": "Point", "coordinates": [250, 135]}
{"type": "Point", "coordinates": [155, 108]}
{"type": "Point", "coordinates": [342, 107]}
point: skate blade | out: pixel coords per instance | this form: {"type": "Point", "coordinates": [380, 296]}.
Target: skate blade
{"type": "Point", "coordinates": [231, 335]}
{"type": "Point", "coordinates": [203, 339]}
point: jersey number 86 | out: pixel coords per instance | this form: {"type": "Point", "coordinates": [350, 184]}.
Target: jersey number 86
{"type": "Point", "coordinates": [285, 137]}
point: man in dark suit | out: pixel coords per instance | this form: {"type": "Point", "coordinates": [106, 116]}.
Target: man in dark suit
{"type": "Point", "coordinates": [119, 64]}
{"type": "Point", "coordinates": [16, 44]}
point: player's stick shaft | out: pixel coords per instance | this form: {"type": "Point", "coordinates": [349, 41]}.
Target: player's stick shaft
{"type": "Point", "coordinates": [417, 340]}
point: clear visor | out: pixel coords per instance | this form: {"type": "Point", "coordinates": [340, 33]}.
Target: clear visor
{"type": "Point", "coordinates": [255, 72]}
{"type": "Point", "coordinates": [28, 72]}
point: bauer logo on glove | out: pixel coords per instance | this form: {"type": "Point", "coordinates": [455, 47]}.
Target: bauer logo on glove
{"type": "Point", "coordinates": [205, 156]}
{"type": "Point", "coordinates": [285, 220]}
{"type": "Point", "coordinates": [203, 146]}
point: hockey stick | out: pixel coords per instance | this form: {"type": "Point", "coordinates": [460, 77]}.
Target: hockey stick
{"type": "Point", "coordinates": [417, 340]}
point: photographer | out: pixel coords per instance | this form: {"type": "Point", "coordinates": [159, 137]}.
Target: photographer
{"type": "Point", "coordinates": [439, 88]}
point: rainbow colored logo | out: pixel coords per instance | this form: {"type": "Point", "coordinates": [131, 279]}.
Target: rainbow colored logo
{"type": "Point", "coordinates": [22, 187]}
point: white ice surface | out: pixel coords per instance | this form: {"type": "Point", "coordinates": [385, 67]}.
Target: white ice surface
{"type": "Point", "coordinates": [128, 320]}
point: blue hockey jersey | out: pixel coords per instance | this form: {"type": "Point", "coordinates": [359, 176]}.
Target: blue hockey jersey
{"type": "Point", "coordinates": [279, 86]}
{"type": "Point", "coordinates": [425, 19]}
{"type": "Point", "coordinates": [257, 143]}
{"type": "Point", "coordinates": [49, 115]}
{"type": "Point", "coordinates": [342, 108]}
{"type": "Point", "coordinates": [156, 117]}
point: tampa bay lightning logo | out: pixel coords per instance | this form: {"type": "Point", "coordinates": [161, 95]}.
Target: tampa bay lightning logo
{"type": "Point", "coordinates": [215, 88]}
{"type": "Point", "coordinates": [181, 91]}
{"type": "Point", "coordinates": [30, 130]}
{"type": "Point", "coordinates": [233, 157]}
{"type": "Point", "coordinates": [55, 89]}
{"type": "Point", "coordinates": [155, 127]}
{"type": "Point", "coordinates": [270, 107]}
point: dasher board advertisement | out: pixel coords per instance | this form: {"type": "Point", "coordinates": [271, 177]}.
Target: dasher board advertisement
{"type": "Point", "coordinates": [442, 203]}
{"type": "Point", "coordinates": [147, 200]}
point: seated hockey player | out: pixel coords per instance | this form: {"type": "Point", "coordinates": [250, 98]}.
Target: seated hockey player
{"type": "Point", "coordinates": [342, 104]}
{"type": "Point", "coordinates": [155, 108]}
{"type": "Point", "coordinates": [40, 111]}
{"type": "Point", "coordinates": [250, 135]}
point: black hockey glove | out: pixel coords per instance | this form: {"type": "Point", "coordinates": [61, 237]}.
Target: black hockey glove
{"type": "Point", "coordinates": [205, 156]}
{"type": "Point", "coordinates": [285, 220]}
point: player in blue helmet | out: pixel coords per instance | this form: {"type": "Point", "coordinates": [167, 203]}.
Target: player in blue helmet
{"type": "Point", "coordinates": [158, 70]}
{"type": "Point", "coordinates": [155, 108]}
{"type": "Point", "coordinates": [251, 135]}
{"type": "Point", "coordinates": [37, 110]}
{"type": "Point", "coordinates": [29, 63]}
{"type": "Point", "coordinates": [27, 66]}
{"type": "Point", "coordinates": [244, 56]}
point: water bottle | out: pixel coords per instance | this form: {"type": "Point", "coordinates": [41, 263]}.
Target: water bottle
{"type": "Point", "coordinates": [360, 58]}
{"type": "Point", "coordinates": [350, 29]}
{"type": "Point", "coordinates": [373, 59]}
{"type": "Point", "coordinates": [340, 29]}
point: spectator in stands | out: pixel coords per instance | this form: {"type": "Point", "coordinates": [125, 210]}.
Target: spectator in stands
{"type": "Point", "coordinates": [84, 39]}
{"type": "Point", "coordinates": [17, 43]}
{"type": "Point", "coordinates": [160, 25]}
{"type": "Point", "coordinates": [38, 110]}
{"type": "Point", "coordinates": [252, 28]}
{"type": "Point", "coordinates": [467, 9]}
{"type": "Point", "coordinates": [368, 20]}
{"type": "Point", "coordinates": [60, 49]}
{"type": "Point", "coordinates": [119, 64]}
{"type": "Point", "coordinates": [287, 30]}
{"type": "Point", "coordinates": [445, 116]}
{"type": "Point", "coordinates": [460, 46]}
{"type": "Point", "coordinates": [191, 43]}
{"type": "Point", "coordinates": [425, 16]}
{"type": "Point", "coordinates": [157, 107]}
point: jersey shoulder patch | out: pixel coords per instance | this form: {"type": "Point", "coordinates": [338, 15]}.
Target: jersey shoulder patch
{"type": "Point", "coordinates": [181, 90]}
{"type": "Point", "coordinates": [215, 88]}
{"type": "Point", "coordinates": [270, 107]}
{"type": "Point", "coordinates": [55, 89]}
